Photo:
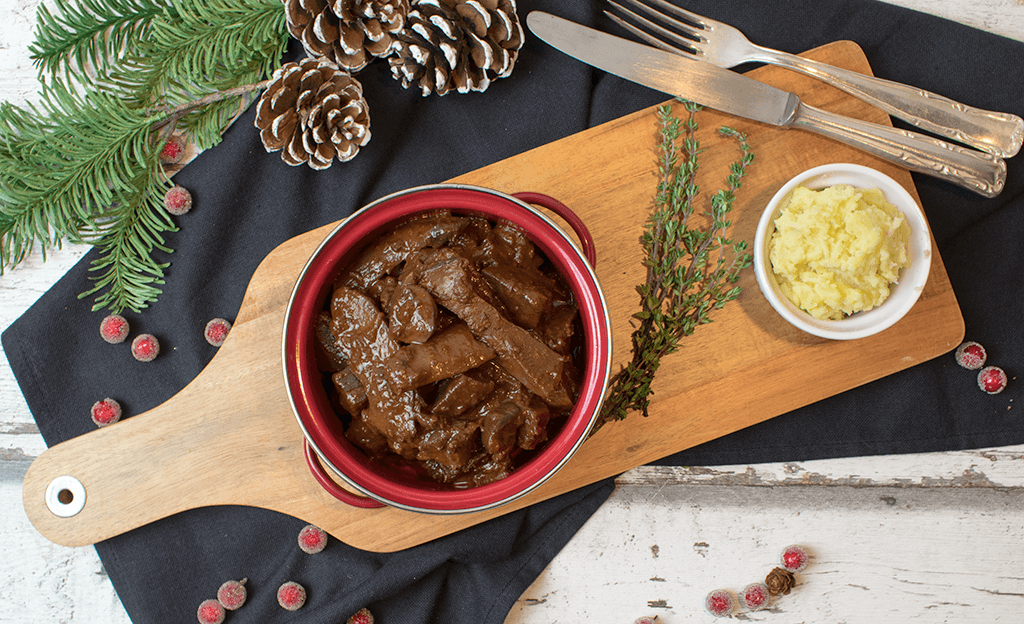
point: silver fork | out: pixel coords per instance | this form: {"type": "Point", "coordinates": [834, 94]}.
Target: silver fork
{"type": "Point", "coordinates": [717, 43]}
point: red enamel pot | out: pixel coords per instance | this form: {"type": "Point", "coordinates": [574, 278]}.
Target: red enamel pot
{"type": "Point", "coordinates": [373, 484]}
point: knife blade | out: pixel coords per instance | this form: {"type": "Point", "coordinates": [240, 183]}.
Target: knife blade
{"type": "Point", "coordinates": [739, 95]}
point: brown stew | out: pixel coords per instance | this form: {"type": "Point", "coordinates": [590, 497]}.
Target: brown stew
{"type": "Point", "coordinates": [451, 344]}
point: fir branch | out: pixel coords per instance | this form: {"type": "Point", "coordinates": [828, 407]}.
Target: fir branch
{"type": "Point", "coordinates": [128, 276]}
{"type": "Point", "coordinates": [85, 167]}
{"type": "Point", "coordinates": [92, 36]}
{"type": "Point", "coordinates": [202, 47]}
{"type": "Point", "coordinates": [690, 271]}
{"type": "Point", "coordinates": [70, 169]}
{"type": "Point", "coordinates": [205, 119]}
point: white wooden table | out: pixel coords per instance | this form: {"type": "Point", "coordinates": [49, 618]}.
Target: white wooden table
{"type": "Point", "coordinates": [932, 538]}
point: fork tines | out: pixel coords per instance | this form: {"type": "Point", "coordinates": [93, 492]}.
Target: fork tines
{"type": "Point", "coordinates": [682, 36]}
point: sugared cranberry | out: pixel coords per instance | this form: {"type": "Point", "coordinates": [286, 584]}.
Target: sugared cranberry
{"type": "Point", "coordinates": [992, 379]}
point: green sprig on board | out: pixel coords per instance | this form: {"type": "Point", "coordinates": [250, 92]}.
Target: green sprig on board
{"type": "Point", "coordinates": [692, 265]}
{"type": "Point", "coordinates": [117, 77]}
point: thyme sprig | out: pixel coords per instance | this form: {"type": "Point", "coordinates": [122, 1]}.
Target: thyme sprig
{"type": "Point", "coordinates": [116, 78]}
{"type": "Point", "coordinates": [691, 270]}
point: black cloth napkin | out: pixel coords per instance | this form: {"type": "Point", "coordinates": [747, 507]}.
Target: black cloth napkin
{"type": "Point", "coordinates": [248, 201]}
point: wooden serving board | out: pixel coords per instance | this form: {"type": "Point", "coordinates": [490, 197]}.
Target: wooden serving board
{"type": "Point", "coordinates": [229, 437]}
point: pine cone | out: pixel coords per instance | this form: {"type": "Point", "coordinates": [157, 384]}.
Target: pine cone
{"type": "Point", "coordinates": [314, 112]}
{"type": "Point", "coordinates": [457, 44]}
{"type": "Point", "coordinates": [779, 581]}
{"type": "Point", "coordinates": [348, 32]}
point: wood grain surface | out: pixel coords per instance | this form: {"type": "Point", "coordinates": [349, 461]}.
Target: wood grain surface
{"type": "Point", "coordinates": [747, 366]}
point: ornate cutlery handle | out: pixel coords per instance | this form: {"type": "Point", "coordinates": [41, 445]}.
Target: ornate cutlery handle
{"type": "Point", "coordinates": [982, 173]}
{"type": "Point", "coordinates": [997, 133]}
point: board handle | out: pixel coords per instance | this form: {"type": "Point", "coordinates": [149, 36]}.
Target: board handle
{"type": "Point", "coordinates": [335, 490]}
{"type": "Point", "coordinates": [570, 217]}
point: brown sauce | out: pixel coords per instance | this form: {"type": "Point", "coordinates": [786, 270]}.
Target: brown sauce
{"type": "Point", "coordinates": [450, 345]}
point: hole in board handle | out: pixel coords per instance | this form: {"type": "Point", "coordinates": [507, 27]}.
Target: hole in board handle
{"type": "Point", "coordinates": [65, 496]}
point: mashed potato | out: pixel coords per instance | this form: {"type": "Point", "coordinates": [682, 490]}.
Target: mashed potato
{"type": "Point", "coordinates": [837, 250]}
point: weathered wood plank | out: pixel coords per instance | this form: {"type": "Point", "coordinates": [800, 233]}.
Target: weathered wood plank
{"type": "Point", "coordinates": [879, 554]}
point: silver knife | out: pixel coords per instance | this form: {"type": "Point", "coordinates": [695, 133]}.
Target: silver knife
{"type": "Point", "coordinates": [736, 94]}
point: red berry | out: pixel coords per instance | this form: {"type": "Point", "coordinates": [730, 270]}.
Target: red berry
{"type": "Point", "coordinates": [992, 379]}
{"type": "Point", "coordinates": [794, 558]}
{"type": "Point", "coordinates": [106, 412]}
{"type": "Point", "coordinates": [971, 355]}
{"type": "Point", "coordinates": [217, 331]}
{"type": "Point", "coordinates": [114, 328]}
{"type": "Point", "coordinates": [755, 596]}
{"type": "Point", "coordinates": [232, 594]}
{"type": "Point", "coordinates": [173, 151]}
{"type": "Point", "coordinates": [312, 539]}
{"type": "Point", "coordinates": [291, 595]}
{"type": "Point", "coordinates": [145, 347]}
{"type": "Point", "coordinates": [362, 616]}
{"type": "Point", "coordinates": [647, 619]}
{"type": "Point", "coordinates": [719, 603]}
{"type": "Point", "coordinates": [178, 200]}
{"type": "Point", "coordinates": [210, 612]}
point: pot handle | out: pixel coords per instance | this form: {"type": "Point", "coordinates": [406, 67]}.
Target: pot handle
{"type": "Point", "coordinates": [570, 217]}
{"type": "Point", "coordinates": [335, 490]}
